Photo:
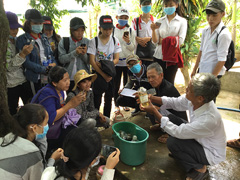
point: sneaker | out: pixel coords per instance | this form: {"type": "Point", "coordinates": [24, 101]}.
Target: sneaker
{"type": "Point", "coordinates": [135, 112]}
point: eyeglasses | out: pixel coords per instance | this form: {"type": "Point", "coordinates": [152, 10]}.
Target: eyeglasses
{"type": "Point", "coordinates": [131, 64]}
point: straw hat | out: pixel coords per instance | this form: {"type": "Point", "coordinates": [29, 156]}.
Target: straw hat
{"type": "Point", "coordinates": [81, 75]}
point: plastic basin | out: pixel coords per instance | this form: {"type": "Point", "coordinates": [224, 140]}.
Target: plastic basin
{"type": "Point", "coordinates": [133, 153]}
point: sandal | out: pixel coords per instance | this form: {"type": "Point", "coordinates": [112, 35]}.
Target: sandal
{"type": "Point", "coordinates": [195, 175]}
{"type": "Point", "coordinates": [155, 127]}
{"type": "Point", "coordinates": [234, 143]}
{"type": "Point", "coordinates": [117, 110]}
{"type": "Point", "coordinates": [126, 108]}
{"type": "Point", "coordinates": [163, 138]}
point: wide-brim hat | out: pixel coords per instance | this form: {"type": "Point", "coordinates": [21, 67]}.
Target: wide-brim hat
{"type": "Point", "coordinates": [81, 75]}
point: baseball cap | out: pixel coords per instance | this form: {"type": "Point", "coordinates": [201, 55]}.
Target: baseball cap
{"type": "Point", "coordinates": [34, 15]}
{"type": "Point", "coordinates": [122, 11]}
{"type": "Point", "coordinates": [143, 1]}
{"type": "Point", "coordinates": [48, 24]}
{"type": "Point", "coordinates": [132, 57]}
{"type": "Point", "coordinates": [13, 20]}
{"type": "Point", "coordinates": [106, 22]}
{"type": "Point", "coordinates": [215, 6]}
{"type": "Point", "coordinates": [76, 23]}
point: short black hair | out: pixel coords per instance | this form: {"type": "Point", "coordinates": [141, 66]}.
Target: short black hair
{"type": "Point", "coordinates": [56, 74]}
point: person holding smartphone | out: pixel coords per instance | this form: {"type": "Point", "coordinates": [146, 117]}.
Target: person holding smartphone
{"type": "Point", "coordinates": [127, 40]}
{"type": "Point", "coordinates": [170, 25]}
{"type": "Point", "coordinates": [76, 58]}
{"type": "Point", "coordinates": [16, 81]}
{"type": "Point", "coordinates": [34, 64]}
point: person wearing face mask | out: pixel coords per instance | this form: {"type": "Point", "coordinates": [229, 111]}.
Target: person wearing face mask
{"type": "Point", "coordinates": [23, 145]}
{"type": "Point", "coordinates": [16, 81]}
{"type": "Point", "coordinates": [171, 25]}
{"type": "Point", "coordinates": [127, 40]}
{"type": "Point", "coordinates": [137, 78]}
{"type": "Point", "coordinates": [49, 31]}
{"type": "Point", "coordinates": [40, 60]}
{"type": "Point", "coordinates": [141, 26]}
{"type": "Point", "coordinates": [78, 158]}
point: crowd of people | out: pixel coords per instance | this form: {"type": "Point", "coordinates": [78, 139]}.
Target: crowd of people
{"type": "Point", "coordinates": [61, 82]}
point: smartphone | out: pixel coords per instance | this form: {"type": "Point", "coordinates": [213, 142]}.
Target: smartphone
{"type": "Point", "coordinates": [83, 45]}
{"type": "Point", "coordinates": [158, 24]}
{"type": "Point", "coordinates": [32, 42]}
{"type": "Point", "coordinates": [126, 33]}
{"type": "Point", "coordinates": [107, 150]}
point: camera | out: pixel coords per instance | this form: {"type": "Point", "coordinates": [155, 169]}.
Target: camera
{"type": "Point", "coordinates": [83, 45]}
{"type": "Point", "coordinates": [107, 150]}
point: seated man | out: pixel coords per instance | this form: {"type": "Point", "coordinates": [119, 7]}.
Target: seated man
{"type": "Point", "coordinates": [137, 78]}
{"type": "Point", "coordinates": [202, 141]}
{"type": "Point", "coordinates": [163, 88]}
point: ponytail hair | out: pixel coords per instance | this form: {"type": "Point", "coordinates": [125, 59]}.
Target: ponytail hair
{"type": "Point", "coordinates": [28, 114]}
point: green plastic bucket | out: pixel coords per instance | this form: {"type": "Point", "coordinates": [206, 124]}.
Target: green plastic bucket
{"type": "Point", "coordinates": [133, 153]}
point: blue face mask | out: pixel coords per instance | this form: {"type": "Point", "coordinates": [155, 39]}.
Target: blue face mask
{"type": "Point", "coordinates": [37, 28]}
{"type": "Point", "coordinates": [146, 9]}
{"type": "Point", "coordinates": [136, 68]}
{"type": "Point", "coordinates": [122, 22]}
{"type": "Point", "coordinates": [169, 10]}
{"type": "Point", "coordinates": [41, 136]}
{"type": "Point", "coordinates": [11, 37]}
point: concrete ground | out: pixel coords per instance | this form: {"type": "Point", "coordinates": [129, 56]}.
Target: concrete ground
{"type": "Point", "coordinates": [158, 165]}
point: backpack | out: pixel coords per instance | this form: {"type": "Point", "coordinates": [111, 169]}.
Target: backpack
{"type": "Point", "coordinates": [96, 41]}
{"type": "Point", "coordinates": [66, 44]}
{"type": "Point", "coordinates": [231, 53]}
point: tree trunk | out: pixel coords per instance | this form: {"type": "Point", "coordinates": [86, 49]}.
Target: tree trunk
{"type": "Point", "coordinates": [186, 76]}
{"type": "Point", "coordinates": [4, 34]}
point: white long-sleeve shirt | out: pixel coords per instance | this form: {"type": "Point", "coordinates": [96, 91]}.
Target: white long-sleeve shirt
{"type": "Point", "coordinates": [176, 27]}
{"type": "Point", "coordinates": [205, 126]}
{"type": "Point", "coordinates": [127, 48]}
{"type": "Point", "coordinates": [212, 53]}
{"type": "Point", "coordinates": [50, 174]}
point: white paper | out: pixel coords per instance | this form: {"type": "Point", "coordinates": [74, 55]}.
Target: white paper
{"type": "Point", "coordinates": [128, 92]}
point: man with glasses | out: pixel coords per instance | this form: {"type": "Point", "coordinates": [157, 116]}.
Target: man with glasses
{"type": "Point", "coordinates": [137, 77]}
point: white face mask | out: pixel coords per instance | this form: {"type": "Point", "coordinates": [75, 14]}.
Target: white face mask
{"type": "Point", "coordinates": [96, 162]}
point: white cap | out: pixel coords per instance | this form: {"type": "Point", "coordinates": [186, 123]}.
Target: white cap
{"type": "Point", "coordinates": [122, 11]}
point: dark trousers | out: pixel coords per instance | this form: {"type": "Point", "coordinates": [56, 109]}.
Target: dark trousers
{"type": "Point", "coordinates": [127, 102]}
{"type": "Point", "coordinates": [23, 91]}
{"type": "Point", "coordinates": [107, 100]}
{"type": "Point", "coordinates": [120, 70]}
{"type": "Point", "coordinates": [188, 152]}
{"type": "Point", "coordinates": [168, 72]}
